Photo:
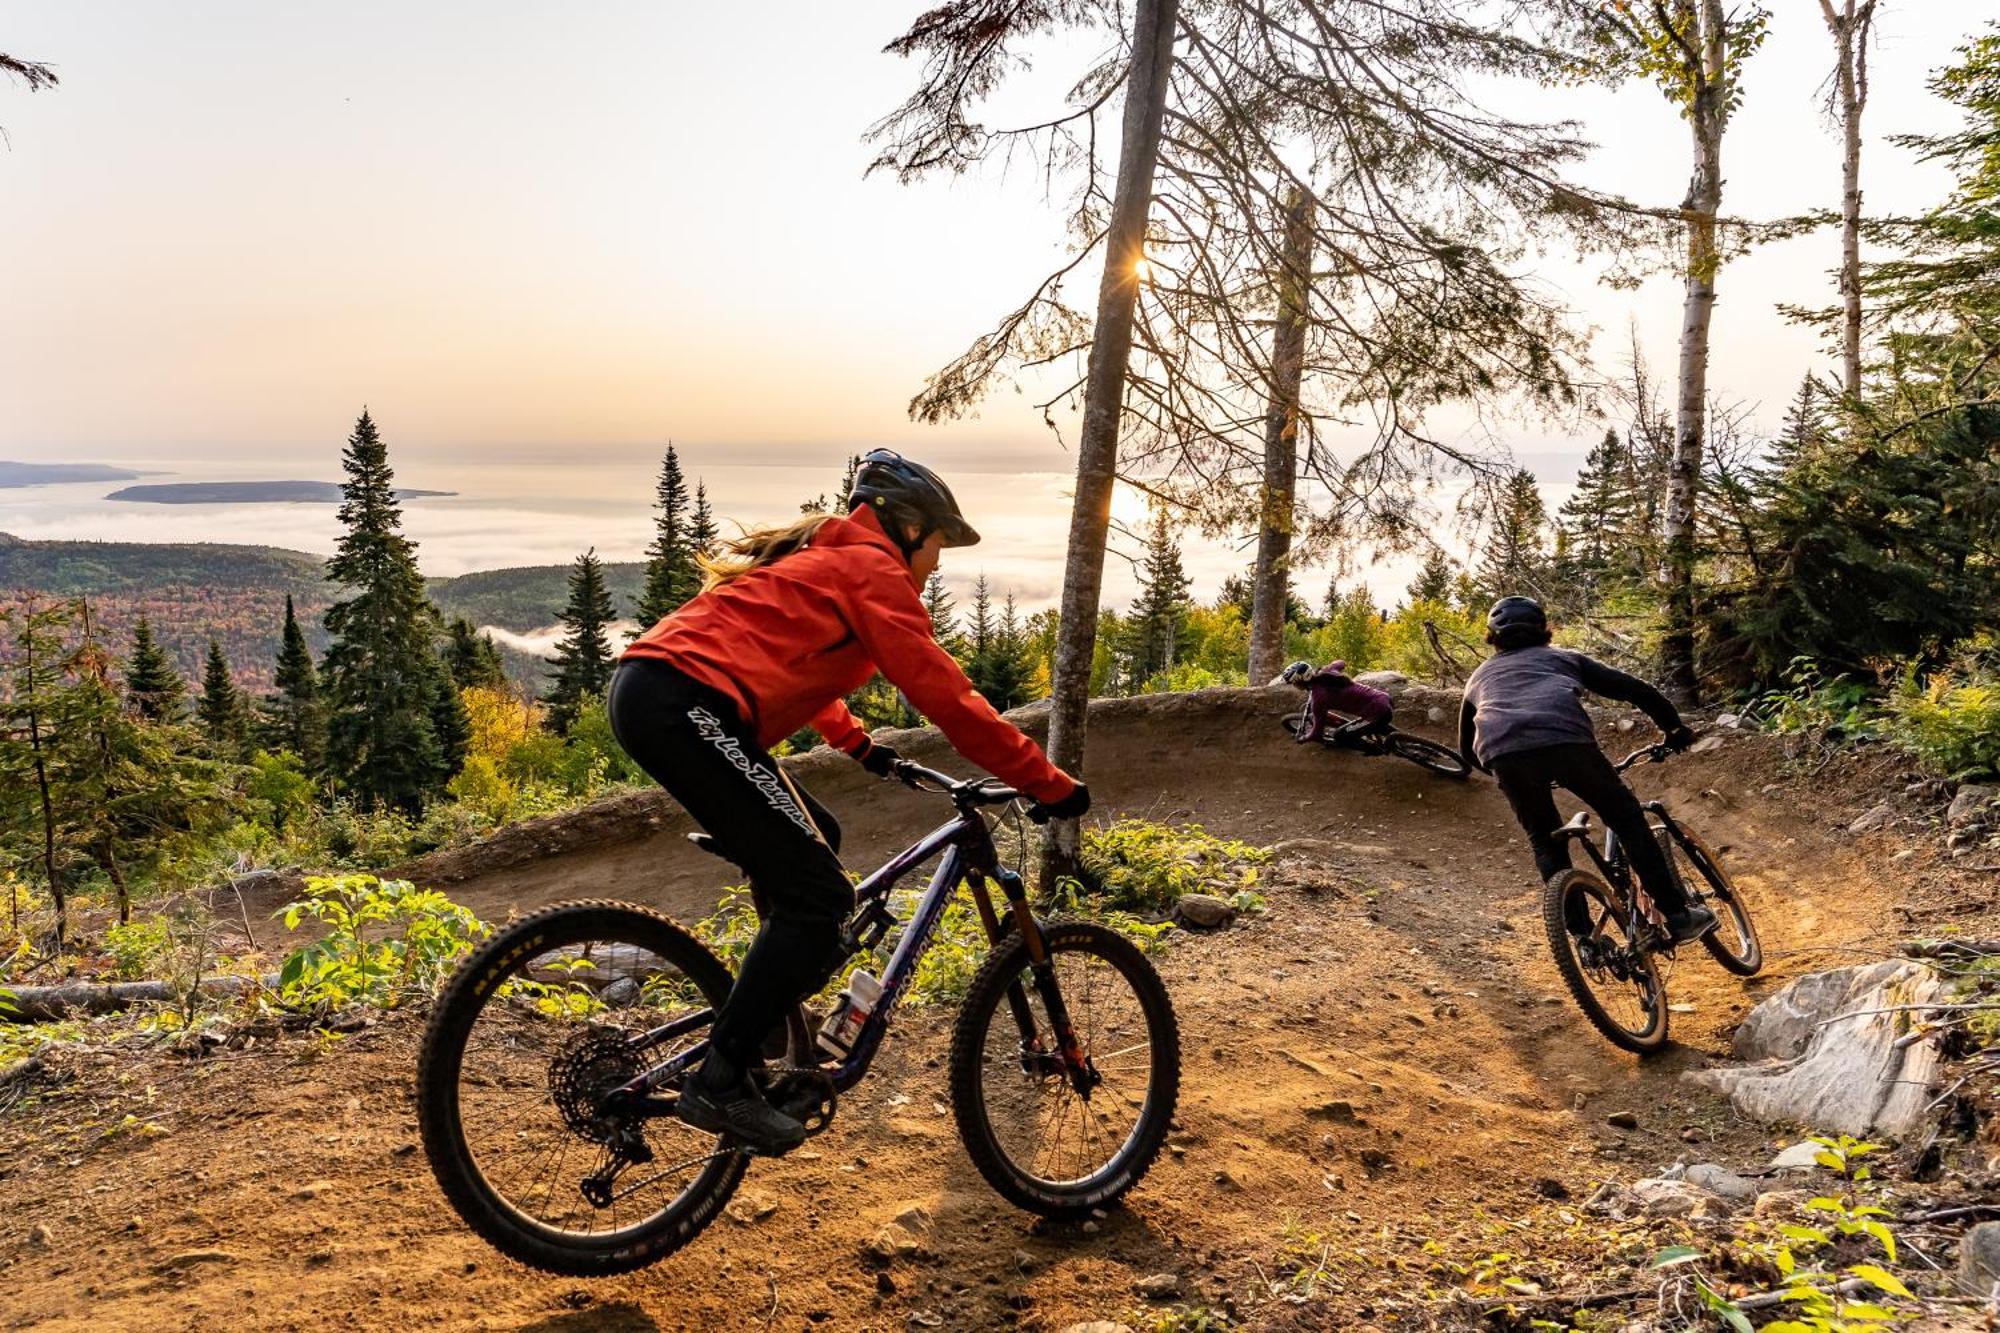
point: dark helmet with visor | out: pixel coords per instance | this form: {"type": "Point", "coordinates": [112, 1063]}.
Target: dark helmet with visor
{"type": "Point", "coordinates": [900, 492]}
{"type": "Point", "coordinates": [1516, 613]}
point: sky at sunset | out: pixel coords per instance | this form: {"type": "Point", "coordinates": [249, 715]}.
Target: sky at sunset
{"type": "Point", "coordinates": [540, 240]}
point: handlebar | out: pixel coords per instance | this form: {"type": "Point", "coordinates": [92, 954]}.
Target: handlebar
{"type": "Point", "coordinates": [1656, 753]}
{"type": "Point", "coordinates": [964, 793]}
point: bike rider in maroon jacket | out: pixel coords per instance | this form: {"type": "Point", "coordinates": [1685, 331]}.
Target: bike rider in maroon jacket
{"type": "Point", "coordinates": [1332, 691]}
{"type": "Point", "coordinates": [1523, 722]}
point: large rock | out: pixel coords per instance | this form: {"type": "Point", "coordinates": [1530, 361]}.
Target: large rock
{"type": "Point", "coordinates": [1391, 683]}
{"type": "Point", "coordinates": [1877, 817]}
{"type": "Point", "coordinates": [1973, 805]}
{"type": "Point", "coordinates": [1824, 1053]}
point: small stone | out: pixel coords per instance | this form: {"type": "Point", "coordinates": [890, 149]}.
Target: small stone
{"type": "Point", "coordinates": [1226, 1181]}
{"type": "Point", "coordinates": [40, 1236]}
{"type": "Point", "coordinates": [885, 1284]}
{"type": "Point", "coordinates": [402, 1150]}
{"type": "Point", "coordinates": [1801, 1156]}
{"type": "Point", "coordinates": [1159, 1287]}
{"type": "Point", "coordinates": [1720, 1180]}
{"type": "Point", "coordinates": [1972, 804]}
{"type": "Point", "coordinates": [1877, 817]}
{"type": "Point", "coordinates": [1622, 1120]}
{"type": "Point", "coordinates": [1204, 911]}
{"type": "Point", "coordinates": [1551, 1188]}
{"type": "Point", "coordinates": [1780, 1203]}
{"type": "Point", "coordinates": [134, 1224]}
{"type": "Point", "coordinates": [1340, 1112]}
{"type": "Point", "coordinates": [1691, 1135]}
{"type": "Point", "coordinates": [319, 1258]}
{"type": "Point", "coordinates": [1091, 1228]}
{"type": "Point", "coordinates": [193, 1259]}
{"type": "Point", "coordinates": [915, 1218]}
{"type": "Point", "coordinates": [314, 1190]}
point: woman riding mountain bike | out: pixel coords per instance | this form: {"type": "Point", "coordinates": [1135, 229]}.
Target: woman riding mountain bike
{"type": "Point", "coordinates": [1523, 721]}
{"type": "Point", "coordinates": [788, 622]}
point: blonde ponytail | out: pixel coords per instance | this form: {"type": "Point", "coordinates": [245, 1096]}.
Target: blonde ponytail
{"type": "Point", "coordinates": [758, 548]}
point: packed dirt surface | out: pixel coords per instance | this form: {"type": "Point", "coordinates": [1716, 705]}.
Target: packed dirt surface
{"type": "Point", "coordinates": [1381, 1073]}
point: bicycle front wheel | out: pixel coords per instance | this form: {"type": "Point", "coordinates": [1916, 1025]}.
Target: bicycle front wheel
{"type": "Point", "coordinates": [1050, 1138]}
{"type": "Point", "coordinates": [1733, 943]}
{"type": "Point", "coordinates": [1611, 977]}
{"type": "Point", "coordinates": [1429, 754]}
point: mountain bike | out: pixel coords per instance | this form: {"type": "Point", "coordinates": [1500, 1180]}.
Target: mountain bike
{"type": "Point", "coordinates": [1607, 934]}
{"type": "Point", "coordinates": [1425, 754]}
{"type": "Point", "coordinates": [551, 1067]}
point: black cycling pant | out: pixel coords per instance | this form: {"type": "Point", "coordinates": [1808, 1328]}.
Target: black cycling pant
{"type": "Point", "coordinates": [692, 741]}
{"type": "Point", "coordinates": [1526, 777]}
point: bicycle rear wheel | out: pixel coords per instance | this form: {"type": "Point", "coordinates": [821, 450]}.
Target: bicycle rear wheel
{"type": "Point", "coordinates": [1043, 1144]}
{"type": "Point", "coordinates": [1429, 754]}
{"type": "Point", "coordinates": [1733, 943]}
{"type": "Point", "coordinates": [1611, 977]}
{"type": "Point", "coordinates": [515, 1090]}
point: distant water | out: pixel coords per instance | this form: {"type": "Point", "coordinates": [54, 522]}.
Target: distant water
{"type": "Point", "coordinates": [514, 513]}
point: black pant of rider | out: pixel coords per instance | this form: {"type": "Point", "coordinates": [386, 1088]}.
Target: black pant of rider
{"type": "Point", "coordinates": [1526, 778]}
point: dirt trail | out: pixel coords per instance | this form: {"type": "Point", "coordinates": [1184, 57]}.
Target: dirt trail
{"type": "Point", "coordinates": [1401, 970]}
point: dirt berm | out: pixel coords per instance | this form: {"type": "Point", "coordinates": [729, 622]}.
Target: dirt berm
{"type": "Point", "coordinates": [1379, 1074]}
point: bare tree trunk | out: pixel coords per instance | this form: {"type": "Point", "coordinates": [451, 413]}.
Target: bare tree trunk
{"type": "Point", "coordinates": [37, 748]}
{"type": "Point", "coordinates": [1707, 115]}
{"type": "Point", "coordinates": [1103, 402]}
{"type": "Point", "coordinates": [1849, 27]}
{"type": "Point", "coordinates": [1272, 580]}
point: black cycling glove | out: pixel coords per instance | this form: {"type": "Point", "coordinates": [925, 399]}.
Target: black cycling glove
{"type": "Point", "coordinates": [1073, 806]}
{"type": "Point", "coordinates": [1680, 738]}
{"type": "Point", "coordinates": [879, 759]}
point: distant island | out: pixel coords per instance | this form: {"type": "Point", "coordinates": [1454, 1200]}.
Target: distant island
{"type": "Point", "coordinates": [49, 474]}
{"type": "Point", "coordinates": [245, 492]}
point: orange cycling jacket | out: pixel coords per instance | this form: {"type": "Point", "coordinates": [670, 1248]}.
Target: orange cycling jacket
{"type": "Point", "coordinates": [788, 640]}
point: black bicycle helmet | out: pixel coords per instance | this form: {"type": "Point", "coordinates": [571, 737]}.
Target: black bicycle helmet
{"type": "Point", "coordinates": [1297, 673]}
{"type": "Point", "coordinates": [901, 492]}
{"type": "Point", "coordinates": [1516, 613]}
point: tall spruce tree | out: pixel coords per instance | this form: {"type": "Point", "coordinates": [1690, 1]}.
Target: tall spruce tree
{"type": "Point", "coordinates": [222, 712]}
{"type": "Point", "coordinates": [294, 717]}
{"type": "Point", "coordinates": [1159, 616]}
{"type": "Point", "coordinates": [1435, 581]}
{"type": "Point", "coordinates": [156, 691]}
{"type": "Point", "coordinates": [582, 665]}
{"type": "Point", "coordinates": [1514, 558]}
{"type": "Point", "coordinates": [1010, 664]}
{"type": "Point", "coordinates": [702, 531]}
{"type": "Point", "coordinates": [1595, 522]}
{"type": "Point", "coordinates": [671, 574]}
{"type": "Point", "coordinates": [380, 670]}
{"type": "Point", "coordinates": [943, 610]}
{"type": "Point", "coordinates": [472, 658]}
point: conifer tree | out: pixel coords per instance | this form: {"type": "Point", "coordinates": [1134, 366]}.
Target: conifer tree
{"type": "Point", "coordinates": [702, 531]}
{"type": "Point", "coordinates": [1159, 616]}
{"type": "Point", "coordinates": [979, 625]}
{"type": "Point", "coordinates": [221, 709]}
{"type": "Point", "coordinates": [671, 575]}
{"type": "Point", "coordinates": [156, 690]}
{"type": "Point", "coordinates": [451, 720]}
{"type": "Point", "coordinates": [380, 668]}
{"type": "Point", "coordinates": [472, 658]}
{"type": "Point", "coordinates": [1515, 556]}
{"type": "Point", "coordinates": [583, 660]}
{"type": "Point", "coordinates": [939, 602]}
{"type": "Point", "coordinates": [127, 790]}
{"type": "Point", "coordinates": [294, 717]}
{"type": "Point", "coordinates": [1595, 523]}
{"type": "Point", "coordinates": [1009, 663]}
{"type": "Point", "coordinates": [1435, 581]}
{"type": "Point", "coordinates": [1804, 429]}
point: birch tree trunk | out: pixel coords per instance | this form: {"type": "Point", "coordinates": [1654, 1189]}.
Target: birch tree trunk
{"type": "Point", "coordinates": [1272, 581]}
{"type": "Point", "coordinates": [1103, 402]}
{"type": "Point", "coordinates": [1849, 27]}
{"type": "Point", "coordinates": [1708, 111]}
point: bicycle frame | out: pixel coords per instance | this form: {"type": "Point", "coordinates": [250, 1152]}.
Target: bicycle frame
{"type": "Point", "coordinates": [1612, 862]}
{"type": "Point", "coordinates": [970, 858]}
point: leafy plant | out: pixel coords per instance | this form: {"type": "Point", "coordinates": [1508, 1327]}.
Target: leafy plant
{"type": "Point", "coordinates": [1952, 722]}
{"type": "Point", "coordinates": [385, 940]}
{"type": "Point", "coordinates": [1141, 866]}
{"type": "Point", "coordinates": [135, 947]}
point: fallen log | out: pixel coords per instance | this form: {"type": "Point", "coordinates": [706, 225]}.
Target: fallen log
{"type": "Point", "coordinates": [45, 1004]}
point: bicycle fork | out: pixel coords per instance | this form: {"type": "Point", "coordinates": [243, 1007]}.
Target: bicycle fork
{"type": "Point", "coordinates": [1068, 1058]}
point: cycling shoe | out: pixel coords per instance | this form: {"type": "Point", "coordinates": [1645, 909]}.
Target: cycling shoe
{"type": "Point", "coordinates": [1691, 923]}
{"type": "Point", "coordinates": [740, 1111]}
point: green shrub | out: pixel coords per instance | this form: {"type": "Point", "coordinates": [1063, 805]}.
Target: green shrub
{"type": "Point", "coordinates": [1952, 723]}
{"type": "Point", "coordinates": [1834, 707]}
{"type": "Point", "coordinates": [385, 940]}
{"type": "Point", "coordinates": [136, 947]}
{"type": "Point", "coordinates": [279, 786]}
{"type": "Point", "coordinates": [1145, 867]}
